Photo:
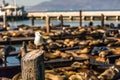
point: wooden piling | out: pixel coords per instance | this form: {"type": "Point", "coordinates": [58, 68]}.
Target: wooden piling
{"type": "Point", "coordinates": [102, 20]}
{"type": "Point", "coordinates": [80, 18]}
{"type": "Point", "coordinates": [47, 24]}
{"type": "Point", "coordinates": [32, 20]}
{"type": "Point", "coordinates": [4, 20]}
{"type": "Point", "coordinates": [61, 20]}
{"type": "Point", "coordinates": [33, 66]}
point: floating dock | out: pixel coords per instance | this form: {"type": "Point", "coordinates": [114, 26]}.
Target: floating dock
{"type": "Point", "coordinates": [17, 40]}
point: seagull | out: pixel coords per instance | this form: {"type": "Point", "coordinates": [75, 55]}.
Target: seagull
{"type": "Point", "coordinates": [38, 40]}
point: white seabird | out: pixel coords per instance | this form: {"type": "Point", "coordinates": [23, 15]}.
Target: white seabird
{"type": "Point", "coordinates": [38, 39]}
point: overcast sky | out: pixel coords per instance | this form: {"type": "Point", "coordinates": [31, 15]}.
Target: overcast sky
{"type": "Point", "coordinates": [25, 2]}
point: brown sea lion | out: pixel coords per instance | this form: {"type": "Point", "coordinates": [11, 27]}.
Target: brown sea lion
{"type": "Point", "coordinates": [3, 78]}
{"type": "Point", "coordinates": [23, 50]}
{"type": "Point", "coordinates": [117, 62]}
{"type": "Point", "coordinates": [83, 51]}
{"type": "Point", "coordinates": [109, 73]}
{"type": "Point", "coordinates": [83, 65]}
{"type": "Point", "coordinates": [105, 53]}
{"type": "Point", "coordinates": [17, 77]}
{"type": "Point", "coordinates": [15, 34]}
{"type": "Point", "coordinates": [53, 55]}
{"type": "Point", "coordinates": [115, 50]}
{"type": "Point", "coordinates": [2, 56]}
{"type": "Point", "coordinates": [84, 56]}
{"type": "Point", "coordinates": [65, 55]}
{"type": "Point", "coordinates": [50, 76]}
{"type": "Point", "coordinates": [31, 45]}
{"type": "Point", "coordinates": [76, 77]}
{"type": "Point", "coordinates": [100, 59]}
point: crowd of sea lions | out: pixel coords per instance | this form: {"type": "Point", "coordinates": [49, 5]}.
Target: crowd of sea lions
{"type": "Point", "coordinates": [99, 46]}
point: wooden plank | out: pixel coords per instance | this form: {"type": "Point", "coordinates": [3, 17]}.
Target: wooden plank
{"type": "Point", "coordinates": [17, 40]}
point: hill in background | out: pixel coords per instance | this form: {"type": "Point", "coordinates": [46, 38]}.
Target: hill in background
{"type": "Point", "coordinates": [78, 5]}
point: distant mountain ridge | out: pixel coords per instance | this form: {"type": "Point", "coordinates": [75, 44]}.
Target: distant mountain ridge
{"type": "Point", "coordinates": [78, 5]}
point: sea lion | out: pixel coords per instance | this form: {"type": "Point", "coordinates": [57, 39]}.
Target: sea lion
{"type": "Point", "coordinates": [117, 62]}
{"type": "Point", "coordinates": [75, 77]}
{"type": "Point", "coordinates": [115, 51]}
{"type": "Point", "coordinates": [65, 55]}
{"type": "Point", "coordinates": [23, 50]}
{"type": "Point", "coordinates": [84, 56]}
{"type": "Point", "coordinates": [31, 45]}
{"type": "Point", "coordinates": [69, 73]}
{"type": "Point", "coordinates": [95, 42]}
{"type": "Point", "coordinates": [15, 34]}
{"type": "Point", "coordinates": [100, 59]}
{"type": "Point", "coordinates": [83, 51]}
{"type": "Point", "coordinates": [77, 65]}
{"type": "Point", "coordinates": [23, 27]}
{"type": "Point", "coordinates": [105, 53]}
{"type": "Point", "coordinates": [2, 56]}
{"type": "Point", "coordinates": [18, 76]}
{"type": "Point", "coordinates": [53, 55]}
{"type": "Point", "coordinates": [49, 76]}
{"type": "Point", "coordinates": [109, 73]}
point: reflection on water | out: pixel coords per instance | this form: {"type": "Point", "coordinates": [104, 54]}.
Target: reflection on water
{"type": "Point", "coordinates": [17, 46]}
{"type": "Point", "coordinates": [12, 61]}
{"type": "Point", "coordinates": [56, 22]}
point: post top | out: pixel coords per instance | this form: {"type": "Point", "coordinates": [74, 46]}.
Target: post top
{"type": "Point", "coordinates": [33, 54]}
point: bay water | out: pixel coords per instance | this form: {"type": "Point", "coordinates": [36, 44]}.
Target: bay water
{"type": "Point", "coordinates": [55, 22]}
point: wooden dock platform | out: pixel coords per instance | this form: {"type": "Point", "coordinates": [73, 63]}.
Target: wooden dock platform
{"type": "Point", "coordinates": [17, 40]}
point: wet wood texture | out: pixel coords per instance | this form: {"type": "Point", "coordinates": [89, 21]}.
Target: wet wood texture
{"type": "Point", "coordinates": [33, 66]}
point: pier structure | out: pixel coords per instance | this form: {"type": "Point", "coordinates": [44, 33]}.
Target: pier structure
{"type": "Point", "coordinates": [13, 11]}
{"type": "Point", "coordinates": [86, 15]}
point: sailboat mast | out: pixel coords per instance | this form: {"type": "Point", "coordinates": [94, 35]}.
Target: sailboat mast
{"type": "Point", "coordinates": [3, 3]}
{"type": "Point", "coordinates": [15, 4]}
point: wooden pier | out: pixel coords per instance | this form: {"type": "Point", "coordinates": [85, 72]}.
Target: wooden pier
{"type": "Point", "coordinates": [17, 40]}
{"type": "Point", "coordinates": [86, 15]}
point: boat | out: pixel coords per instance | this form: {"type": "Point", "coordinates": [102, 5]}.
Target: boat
{"type": "Point", "coordinates": [12, 10]}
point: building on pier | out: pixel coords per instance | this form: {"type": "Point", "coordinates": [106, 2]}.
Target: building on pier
{"type": "Point", "coordinates": [12, 10]}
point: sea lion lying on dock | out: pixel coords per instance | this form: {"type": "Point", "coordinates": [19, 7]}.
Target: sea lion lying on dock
{"type": "Point", "coordinates": [109, 73]}
{"type": "Point", "coordinates": [17, 77]}
{"type": "Point", "coordinates": [83, 51]}
{"type": "Point", "coordinates": [53, 55]}
{"type": "Point", "coordinates": [83, 76]}
{"type": "Point", "coordinates": [2, 56]}
{"type": "Point", "coordinates": [49, 76]}
{"type": "Point", "coordinates": [117, 62]}
{"type": "Point", "coordinates": [5, 52]}
{"type": "Point", "coordinates": [116, 50]}
{"type": "Point", "coordinates": [77, 65]}
{"type": "Point", "coordinates": [105, 53]}
{"type": "Point", "coordinates": [31, 46]}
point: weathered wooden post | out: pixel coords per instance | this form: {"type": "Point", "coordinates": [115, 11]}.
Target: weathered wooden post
{"type": "Point", "coordinates": [47, 24]}
{"type": "Point", "coordinates": [32, 20]}
{"type": "Point", "coordinates": [4, 20]}
{"type": "Point", "coordinates": [32, 66]}
{"type": "Point", "coordinates": [61, 20]}
{"type": "Point", "coordinates": [80, 18]}
{"type": "Point", "coordinates": [102, 20]}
